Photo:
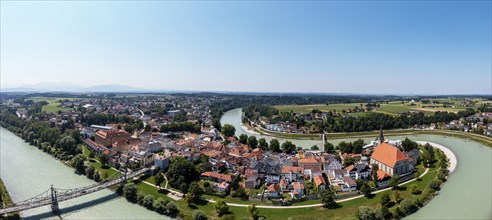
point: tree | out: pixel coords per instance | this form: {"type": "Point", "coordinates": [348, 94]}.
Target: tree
{"type": "Point", "coordinates": [194, 193]}
{"type": "Point", "coordinates": [130, 192]}
{"type": "Point", "coordinates": [408, 206]}
{"type": "Point", "coordinates": [383, 213]}
{"type": "Point", "coordinates": [172, 208]}
{"type": "Point", "coordinates": [148, 201]}
{"type": "Point", "coordinates": [97, 176]}
{"type": "Point", "coordinates": [199, 215]}
{"type": "Point", "coordinates": [104, 159]}
{"type": "Point", "coordinates": [314, 147]}
{"type": "Point", "coordinates": [328, 198]}
{"type": "Point", "coordinates": [89, 171]}
{"type": "Point", "coordinates": [184, 188]}
{"type": "Point", "coordinates": [243, 138]}
{"type": "Point", "coordinates": [148, 128]}
{"type": "Point", "coordinates": [78, 163]}
{"type": "Point", "coordinates": [329, 147]}
{"type": "Point", "coordinates": [160, 205]}
{"type": "Point", "coordinates": [365, 213]}
{"type": "Point", "coordinates": [408, 144]}
{"type": "Point", "coordinates": [397, 197]}
{"type": "Point", "coordinates": [159, 179]}
{"type": "Point", "coordinates": [275, 145]}
{"type": "Point", "coordinates": [435, 184]}
{"type": "Point", "coordinates": [253, 211]}
{"type": "Point", "coordinates": [366, 189]}
{"type": "Point", "coordinates": [252, 142]}
{"type": "Point", "coordinates": [385, 200]}
{"type": "Point", "coordinates": [414, 189]}
{"type": "Point", "coordinates": [374, 171]}
{"type": "Point", "coordinates": [288, 147]}
{"type": "Point", "coordinates": [262, 144]}
{"type": "Point", "coordinates": [91, 154]}
{"type": "Point", "coordinates": [221, 207]}
{"type": "Point", "coordinates": [181, 171]}
{"type": "Point", "coordinates": [228, 130]}
{"type": "Point", "coordinates": [394, 180]}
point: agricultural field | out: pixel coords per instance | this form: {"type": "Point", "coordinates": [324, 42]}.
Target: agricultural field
{"type": "Point", "coordinates": [390, 108]}
{"type": "Point", "coordinates": [53, 103]}
{"type": "Point", "coordinates": [321, 107]}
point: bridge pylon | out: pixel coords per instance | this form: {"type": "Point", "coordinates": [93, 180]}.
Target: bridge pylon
{"type": "Point", "coordinates": [122, 183]}
{"type": "Point", "coordinates": [54, 201]}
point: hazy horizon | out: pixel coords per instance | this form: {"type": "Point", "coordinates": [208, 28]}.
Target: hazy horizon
{"type": "Point", "coordinates": [432, 48]}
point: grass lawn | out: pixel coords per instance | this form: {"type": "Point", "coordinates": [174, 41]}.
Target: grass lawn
{"type": "Point", "coordinates": [53, 104]}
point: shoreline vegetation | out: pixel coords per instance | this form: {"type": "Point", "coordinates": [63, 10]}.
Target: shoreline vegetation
{"type": "Point", "coordinates": [396, 132]}
{"type": "Point", "coordinates": [5, 201]}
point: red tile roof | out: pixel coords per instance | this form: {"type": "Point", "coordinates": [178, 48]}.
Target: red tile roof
{"type": "Point", "coordinates": [319, 180]}
{"type": "Point", "coordinates": [388, 154]}
{"type": "Point", "coordinates": [274, 188]}
{"type": "Point", "coordinates": [225, 177]}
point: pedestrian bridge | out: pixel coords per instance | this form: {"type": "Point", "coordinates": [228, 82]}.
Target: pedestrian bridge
{"type": "Point", "coordinates": [53, 195]}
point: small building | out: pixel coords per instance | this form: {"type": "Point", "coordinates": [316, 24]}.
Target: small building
{"type": "Point", "coordinates": [161, 161]}
{"type": "Point", "coordinates": [274, 190]}
{"type": "Point", "coordinates": [320, 182]}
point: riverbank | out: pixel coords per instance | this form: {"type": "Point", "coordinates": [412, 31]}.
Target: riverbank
{"type": "Point", "coordinates": [6, 201]}
{"type": "Point", "coordinates": [453, 161]}
{"type": "Point", "coordinates": [487, 141]}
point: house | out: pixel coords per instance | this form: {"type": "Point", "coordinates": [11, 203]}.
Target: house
{"type": "Point", "coordinates": [283, 184]}
{"type": "Point", "coordinates": [349, 184]}
{"type": "Point", "coordinates": [217, 177]}
{"type": "Point", "coordinates": [222, 187]}
{"type": "Point", "coordinates": [358, 171]}
{"type": "Point", "coordinates": [273, 190]}
{"type": "Point", "coordinates": [383, 178]}
{"type": "Point", "coordinates": [320, 182]}
{"type": "Point", "coordinates": [310, 163]}
{"type": "Point", "coordinates": [161, 161]}
{"type": "Point", "coordinates": [251, 182]}
{"type": "Point", "coordinates": [391, 160]}
{"type": "Point", "coordinates": [331, 163]}
{"type": "Point", "coordinates": [298, 189]}
{"type": "Point", "coordinates": [292, 173]}
{"type": "Point", "coordinates": [108, 137]}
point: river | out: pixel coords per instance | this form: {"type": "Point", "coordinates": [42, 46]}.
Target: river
{"type": "Point", "coordinates": [27, 171]}
{"type": "Point", "coordinates": [466, 195]}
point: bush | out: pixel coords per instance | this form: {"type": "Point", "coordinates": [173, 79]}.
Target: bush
{"type": "Point", "coordinates": [365, 213]}
{"type": "Point", "coordinates": [148, 201]}
{"type": "Point", "coordinates": [159, 205]}
{"type": "Point", "coordinates": [385, 200]}
{"type": "Point", "coordinates": [130, 192]}
{"type": "Point", "coordinates": [408, 206]}
{"type": "Point", "coordinates": [435, 184]}
{"type": "Point", "coordinates": [414, 189]}
{"type": "Point", "coordinates": [221, 207]}
{"type": "Point", "coordinates": [199, 215]}
{"type": "Point", "coordinates": [172, 208]}
{"type": "Point", "coordinates": [140, 198]}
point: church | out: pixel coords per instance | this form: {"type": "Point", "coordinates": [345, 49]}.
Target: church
{"type": "Point", "coordinates": [390, 159]}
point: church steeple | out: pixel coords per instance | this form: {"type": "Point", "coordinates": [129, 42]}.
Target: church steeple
{"type": "Point", "coordinates": [381, 136]}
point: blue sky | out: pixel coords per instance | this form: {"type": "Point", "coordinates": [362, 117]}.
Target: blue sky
{"type": "Point", "coordinates": [399, 47]}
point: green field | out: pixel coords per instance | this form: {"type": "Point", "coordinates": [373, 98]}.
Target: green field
{"type": "Point", "coordinates": [53, 105]}
{"type": "Point", "coordinates": [321, 107]}
{"type": "Point", "coordinates": [392, 108]}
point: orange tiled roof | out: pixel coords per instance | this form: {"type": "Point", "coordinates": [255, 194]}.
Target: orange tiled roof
{"type": "Point", "coordinates": [308, 160]}
{"type": "Point", "coordinates": [294, 169]}
{"type": "Point", "coordinates": [319, 180]}
{"type": "Point", "coordinates": [388, 154]}
{"type": "Point", "coordinates": [224, 177]}
{"type": "Point", "coordinates": [382, 174]}
{"type": "Point", "coordinates": [274, 188]}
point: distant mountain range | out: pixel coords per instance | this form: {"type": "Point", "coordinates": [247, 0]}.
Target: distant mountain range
{"type": "Point", "coordinates": [70, 87]}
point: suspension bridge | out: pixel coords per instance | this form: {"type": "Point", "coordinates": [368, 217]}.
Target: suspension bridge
{"type": "Point", "coordinates": [53, 196]}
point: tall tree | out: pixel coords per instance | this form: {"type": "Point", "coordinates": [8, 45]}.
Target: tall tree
{"type": "Point", "coordinates": [243, 138]}
{"type": "Point", "coordinates": [228, 130]}
{"type": "Point", "coordinates": [275, 145]}
{"type": "Point", "coordinates": [252, 142]}
{"type": "Point", "coordinates": [262, 143]}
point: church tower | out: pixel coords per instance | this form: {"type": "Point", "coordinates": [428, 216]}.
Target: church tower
{"type": "Point", "coordinates": [381, 136]}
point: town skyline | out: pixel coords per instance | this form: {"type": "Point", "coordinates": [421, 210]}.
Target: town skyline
{"type": "Point", "coordinates": [328, 47]}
